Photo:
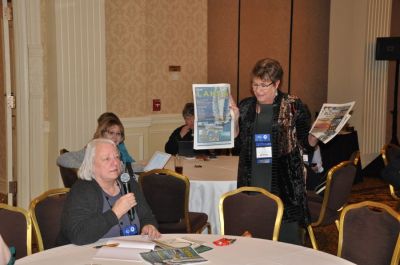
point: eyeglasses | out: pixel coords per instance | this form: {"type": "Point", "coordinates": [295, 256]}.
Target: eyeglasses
{"type": "Point", "coordinates": [111, 133]}
{"type": "Point", "coordinates": [261, 85]}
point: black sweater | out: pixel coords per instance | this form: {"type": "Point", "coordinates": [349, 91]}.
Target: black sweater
{"type": "Point", "coordinates": [83, 221]}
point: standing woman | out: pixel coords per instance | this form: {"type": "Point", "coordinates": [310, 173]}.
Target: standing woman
{"type": "Point", "coordinates": [272, 130]}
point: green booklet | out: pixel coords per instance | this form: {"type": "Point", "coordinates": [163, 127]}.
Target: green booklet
{"type": "Point", "coordinates": [173, 256]}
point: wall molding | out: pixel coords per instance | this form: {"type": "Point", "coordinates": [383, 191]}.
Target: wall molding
{"type": "Point", "coordinates": [147, 121]}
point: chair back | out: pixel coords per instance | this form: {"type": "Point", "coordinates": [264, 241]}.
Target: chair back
{"type": "Point", "coordinates": [263, 208]}
{"type": "Point", "coordinates": [369, 234]}
{"type": "Point", "coordinates": [338, 189]}
{"type": "Point", "coordinates": [46, 212]}
{"type": "Point", "coordinates": [167, 194]}
{"type": "Point", "coordinates": [389, 152]}
{"type": "Point", "coordinates": [68, 175]}
{"type": "Point", "coordinates": [355, 157]}
{"type": "Point", "coordinates": [16, 229]}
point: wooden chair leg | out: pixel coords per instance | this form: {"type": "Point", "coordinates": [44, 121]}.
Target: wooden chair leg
{"type": "Point", "coordinates": [209, 228]}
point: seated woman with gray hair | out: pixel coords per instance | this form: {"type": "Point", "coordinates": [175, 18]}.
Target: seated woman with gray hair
{"type": "Point", "coordinates": [96, 206]}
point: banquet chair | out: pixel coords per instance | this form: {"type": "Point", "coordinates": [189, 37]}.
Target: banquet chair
{"type": "Point", "coordinates": [167, 194]}
{"type": "Point", "coordinates": [389, 152]}
{"type": "Point", "coordinates": [355, 157]}
{"type": "Point", "coordinates": [325, 210]}
{"type": "Point", "coordinates": [16, 229]}
{"type": "Point", "coordinates": [369, 234]}
{"type": "Point", "coordinates": [46, 212]}
{"type": "Point", "coordinates": [238, 207]}
{"type": "Point", "coordinates": [68, 175]}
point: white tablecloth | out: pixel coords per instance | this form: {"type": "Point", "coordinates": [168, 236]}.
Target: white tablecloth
{"type": "Point", "coordinates": [243, 251]}
{"type": "Point", "coordinates": [209, 180]}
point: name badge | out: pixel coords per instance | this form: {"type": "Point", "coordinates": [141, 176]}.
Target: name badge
{"type": "Point", "coordinates": [263, 148]}
{"type": "Point", "coordinates": [129, 230]}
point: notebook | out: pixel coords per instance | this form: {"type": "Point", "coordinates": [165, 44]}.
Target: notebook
{"type": "Point", "coordinates": [157, 161]}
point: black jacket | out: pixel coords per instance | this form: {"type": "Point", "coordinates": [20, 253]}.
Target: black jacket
{"type": "Point", "coordinates": [290, 127]}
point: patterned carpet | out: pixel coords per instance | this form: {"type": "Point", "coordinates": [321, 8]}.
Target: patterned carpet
{"type": "Point", "coordinates": [372, 189]}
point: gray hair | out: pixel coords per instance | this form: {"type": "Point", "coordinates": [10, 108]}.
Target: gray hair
{"type": "Point", "coordinates": [85, 172]}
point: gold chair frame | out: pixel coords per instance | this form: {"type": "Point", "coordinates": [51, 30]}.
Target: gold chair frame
{"type": "Point", "coordinates": [386, 162]}
{"type": "Point", "coordinates": [356, 158]}
{"type": "Point", "coordinates": [187, 190]}
{"type": "Point", "coordinates": [279, 214]}
{"type": "Point", "coordinates": [396, 253]}
{"type": "Point", "coordinates": [28, 224]}
{"type": "Point", "coordinates": [32, 207]}
{"type": "Point", "coordinates": [325, 202]}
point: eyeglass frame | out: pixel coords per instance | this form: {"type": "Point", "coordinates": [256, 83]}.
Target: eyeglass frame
{"type": "Point", "coordinates": [262, 85]}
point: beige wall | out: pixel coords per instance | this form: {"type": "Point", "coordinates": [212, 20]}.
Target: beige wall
{"type": "Point", "coordinates": [354, 74]}
{"type": "Point", "coordinates": [144, 37]}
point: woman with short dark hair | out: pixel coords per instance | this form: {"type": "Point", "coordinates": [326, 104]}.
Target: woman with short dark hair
{"type": "Point", "coordinates": [272, 132]}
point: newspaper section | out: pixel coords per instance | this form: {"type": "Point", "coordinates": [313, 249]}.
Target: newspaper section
{"type": "Point", "coordinates": [331, 119]}
{"type": "Point", "coordinates": [213, 126]}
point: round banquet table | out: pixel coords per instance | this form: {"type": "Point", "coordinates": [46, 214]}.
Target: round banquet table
{"type": "Point", "coordinates": [244, 251]}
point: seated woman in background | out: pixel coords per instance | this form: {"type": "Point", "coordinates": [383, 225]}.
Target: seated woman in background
{"type": "Point", "coordinates": [110, 127]}
{"type": "Point", "coordinates": [182, 133]}
{"type": "Point", "coordinates": [96, 207]}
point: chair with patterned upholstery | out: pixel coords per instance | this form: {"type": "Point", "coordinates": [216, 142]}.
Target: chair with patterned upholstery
{"type": "Point", "coordinates": [369, 234]}
{"type": "Point", "coordinates": [326, 210]}
{"type": "Point", "coordinates": [389, 152]}
{"type": "Point", "coordinates": [68, 175]}
{"type": "Point", "coordinates": [46, 212]}
{"type": "Point", "coordinates": [16, 229]}
{"type": "Point", "coordinates": [264, 209]}
{"type": "Point", "coordinates": [167, 193]}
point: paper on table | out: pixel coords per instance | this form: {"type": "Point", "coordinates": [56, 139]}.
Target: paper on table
{"type": "Point", "coordinates": [118, 253]}
{"type": "Point", "coordinates": [128, 250]}
{"type": "Point", "coordinates": [126, 243]}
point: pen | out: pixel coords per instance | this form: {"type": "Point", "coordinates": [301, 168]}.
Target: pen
{"type": "Point", "coordinates": [107, 245]}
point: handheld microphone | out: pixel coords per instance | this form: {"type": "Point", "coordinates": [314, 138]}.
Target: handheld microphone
{"type": "Point", "coordinates": [125, 178]}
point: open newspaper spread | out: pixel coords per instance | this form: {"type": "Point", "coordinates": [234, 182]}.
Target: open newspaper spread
{"type": "Point", "coordinates": [213, 125]}
{"type": "Point", "coordinates": [331, 119]}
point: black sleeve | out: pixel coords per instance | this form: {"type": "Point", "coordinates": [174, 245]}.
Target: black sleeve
{"type": "Point", "coordinates": [171, 147]}
{"type": "Point", "coordinates": [303, 125]}
{"type": "Point", "coordinates": [391, 173]}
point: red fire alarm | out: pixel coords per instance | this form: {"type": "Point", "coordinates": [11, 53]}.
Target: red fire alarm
{"type": "Point", "coordinates": [156, 104]}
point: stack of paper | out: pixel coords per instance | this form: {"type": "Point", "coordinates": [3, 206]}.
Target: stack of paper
{"type": "Point", "coordinates": [124, 249]}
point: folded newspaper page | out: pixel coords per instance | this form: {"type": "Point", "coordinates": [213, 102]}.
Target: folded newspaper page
{"type": "Point", "coordinates": [331, 119]}
{"type": "Point", "coordinates": [213, 125]}
{"type": "Point", "coordinates": [184, 255]}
